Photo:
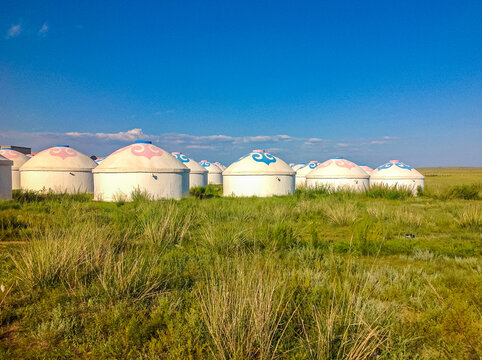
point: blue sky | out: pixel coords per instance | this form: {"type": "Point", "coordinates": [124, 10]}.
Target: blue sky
{"type": "Point", "coordinates": [307, 80]}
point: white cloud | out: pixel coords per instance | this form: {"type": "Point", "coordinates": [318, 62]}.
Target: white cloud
{"type": "Point", "coordinates": [342, 144]}
{"type": "Point", "coordinates": [130, 135]}
{"type": "Point", "coordinates": [43, 30]}
{"type": "Point", "coordinates": [14, 31]}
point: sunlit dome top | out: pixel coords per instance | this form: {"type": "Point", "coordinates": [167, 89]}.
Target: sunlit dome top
{"type": "Point", "coordinates": [194, 166]}
{"type": "Point", "coordinates": [298, 166]}
{"type": "Point", "coordinates": [212, 168]}
{"type": "Point", "coordinates": [17, 157]}
{"type": "Point", "coordinates": [307, 168]}
{"type": "Point", "coordinates": [367, 169]}
{"type": "Point", "coordinates": [5, 162]}
{"type": "Point", "coordinates": [395, 169]}
{"type": "Point", "coordinates": [59, 158]}
{"type": "Point", "coordinates": [337, 168]}
{"type": "Point", "coordinates": [259, 162]}
{"type": "Point", "coordinates": [141, 156]}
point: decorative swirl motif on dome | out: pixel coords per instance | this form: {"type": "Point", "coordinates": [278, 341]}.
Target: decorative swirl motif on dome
{"type": "Point", "coordinates": [9, 154]}
{"type": "Point", "coordinates": [63, 152]}
{"type": "Point", "coordinates": [263, 157]}
{"type": "Point", "coordinates": [338, 162]}
{"type": "Point", "coordinates": [400, 164]}
{"type": "Point", "coordinates": [205, 163]}
{"type": "Point", "coordinates": [182, 158]}
{"type": "Point", "coordinates": [313, 165]}
{"type": "Point", "coordinates": [140, 149]}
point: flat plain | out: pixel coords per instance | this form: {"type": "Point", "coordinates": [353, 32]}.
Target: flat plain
{"type": "Point", "coordinates": [315, 275]}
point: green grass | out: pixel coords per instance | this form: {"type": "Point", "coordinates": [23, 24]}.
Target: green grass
{"type": "Point", "coordinates": [316, 275]}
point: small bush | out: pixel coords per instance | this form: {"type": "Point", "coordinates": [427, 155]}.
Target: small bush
{"type": "Point", "coordinates": [464, 192]}
{"type": "Point", "coordinates": [387, 192]}
{"type": "Point", "coordinates": [207, 192]}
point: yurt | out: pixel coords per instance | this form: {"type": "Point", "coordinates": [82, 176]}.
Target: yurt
{"type": "Point", "coordinates": [397, 174]}
{"type": "Point", "coordinates": [18, 160]}
{"type": "Point", "coordinates": [140, 168]}
{"type": "Point", "coordinates": [296, 167]}
{"type": "Point", "coordinates": [219, 165]}
{"type": "Point", "coordinates": [215, 174]}
{"type": "Point", "coordinates": [337, 174]}
{"type": "Point", "coordinates": [291, 164]}
{"type": "Point", "coordinates": [258, 174]}
{"type": "Point", "coordinates": [5, 178]}
{"type": "Point", "coordinates": [303, 171]}
{"type": "Point", "coordinates": [198, 175]}
{"type": "Point", "coordinates": [367, 169]}
{"type": "Point", "coordinates": [58, 169]}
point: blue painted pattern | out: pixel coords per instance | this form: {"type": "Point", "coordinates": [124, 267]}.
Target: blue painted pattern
{"type": "Point", "coordinates": [263, 157]}
{"type": "Point", "coordinates": [400, 164]}
{"type": "Point", "coordinates": [205, 163]}
{"type": "Point", "coordinates": [313, 165]}
{"type": "Point", "coordinates": [182, 158]}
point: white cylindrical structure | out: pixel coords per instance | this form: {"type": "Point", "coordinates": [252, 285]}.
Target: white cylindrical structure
{"type": "Point", "coordinates": [5, 178]}
{"type": "Point", "coordinates": [58, 169]}
{"type": "Point", "coordinates": [215, 174]}
{"type": "Point", "coordinates": [140, 168]}
{"type": "Point", "coordinates": [258, 174]}
{"type": "Point", "coordinates": [18, 160]}
{"type": "Point", "coordinates": [198, 175]}
{"type": "Point", "coordinates": [338, 174]}
{"type": "Point", "coordinates": [367, 169]}
{"type": "Point", "coordinates": [397, 174]}
{"type": "Point", "coordinates": [303, 171]}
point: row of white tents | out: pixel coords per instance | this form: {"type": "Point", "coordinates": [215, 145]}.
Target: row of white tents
{"type": "Point", "coordinates": [146, 168]}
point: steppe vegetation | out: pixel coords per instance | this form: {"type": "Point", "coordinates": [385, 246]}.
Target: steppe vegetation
{"type": "Point", "coordinates": [316, 275]}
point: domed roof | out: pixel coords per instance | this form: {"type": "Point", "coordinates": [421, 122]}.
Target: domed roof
{"type": "Point", "coordinates": [141, 156]}
{"type": "Point", "coordinates": [259, 162]}
{"type": "Point", "coordinates": [337, 168]}
{"type": "Point", "coordinates": [367, 169]}
{"type": "Point", "coordinates": [210, 167]}
{"type": "Point", "coordinates": [17, 157]}
{"type": "Point", "coordinates": [5, 162]}
{"type": "Point", "coordinates": [59, 158]}
{"type": "Point", "coordinates": [298, 166]}
{"type": "Point", "coordinates": [194, 166]}
{"type": "Point", "coordinates": [307, 168]}
{"type": "Point", "coordinates": [395, 169]}
{"type": "Point", "coordinates": [219, 165]}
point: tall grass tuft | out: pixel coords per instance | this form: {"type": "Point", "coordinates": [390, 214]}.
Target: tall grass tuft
{"type": "Point", "coordinates": [469, 217]}
{"type": "Point", "coordinates": [246, 309]}
{"type": "Point", "coordinates": [388, 192]}
{"type": "Point", "coordinates": [341, 213]}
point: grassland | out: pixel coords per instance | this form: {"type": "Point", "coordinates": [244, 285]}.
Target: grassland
{"type": "Point", "coordinates": [315, 275]}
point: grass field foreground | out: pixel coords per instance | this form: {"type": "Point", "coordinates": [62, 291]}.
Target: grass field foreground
{"type": "Point", "coordinates": [316, 275]}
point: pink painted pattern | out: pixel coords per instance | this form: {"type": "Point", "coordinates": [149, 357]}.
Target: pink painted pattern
{"type": "Point", "coordinates": [63, 152]}
{"type": "Point", "coordinates": [338, 162]}
{"type": "Point", "coordinates": [9, 154]}
{"type": "Point", "coordinates": [146, 150]}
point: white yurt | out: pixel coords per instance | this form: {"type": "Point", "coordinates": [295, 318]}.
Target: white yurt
{"type": "Point", "coordinates": [140, 168]}
{"type": "Point", "coordinates": [296, 167]}
{"type": "Point", "coordinates": [397, 174]}
{"type": "Point", "coordinates": [291, 164]}
{"type": "Point", "coordinates": [198, 175]}
{"type": "Point", "coordinates": [219, 165]}
{"type": "Point", "coordinates": [303, 171]}
{"type": "Point", "coordinates": [338, 174]}
{"type": "Point", "coordinates": [58, 169]}
{"type": "Point", "coordinates": [367, 168]}
{"type": "Point", "coordinates": [258, 174]}
{"type": "Point", "coordinates": [215, 174]}
{"type": "Point", "coordinates": [18, 160]}
{"type": "Point", "coordinates": [5, 178]}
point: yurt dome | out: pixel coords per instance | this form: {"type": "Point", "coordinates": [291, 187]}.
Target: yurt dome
{"type": "Point", "coordinates": [298, 166]}
{"type": "Point", "coordinates": [303, 171]}
{"type": "Point", "coordinates": [198, 175]}
{"type": "Point", "coordinates": [258, 174]}
{"type": "Point", "coordinates": [18, 160]}
{"type": "Point", "coordinates": [397, 174]}
{"type": "Point", "coordinates": [219, 165]}
{"type": "Point", "coordinates": [58, 169]}
{"type": "Point", "coordinates": [338, 173]}
{"type": "Point", "coordinates": [215, 174]}
{"type": "Point", "coordinates": [5, 178]}
{"type": "Point", "coordinates": [367, 169]}
{"type": "Point", "coordinates": [291, 164]}
{"type": "Point", "coordinates": [140, 168]}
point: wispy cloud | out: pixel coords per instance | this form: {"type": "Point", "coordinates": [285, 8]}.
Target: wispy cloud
{"type": "Point", "coordinates": [43, 30]}
{"type": "Point", "coordinates": [14, 31]}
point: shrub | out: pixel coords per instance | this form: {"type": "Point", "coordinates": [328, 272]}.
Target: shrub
{"type": "Point", "coordinates": [388, 192]}
{"type": "Point", "coordinates": [465, 192]}
{"type": "Point", "coordinates": [207, 192]}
